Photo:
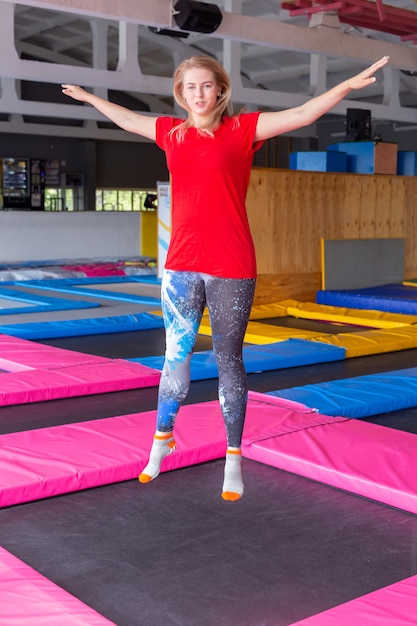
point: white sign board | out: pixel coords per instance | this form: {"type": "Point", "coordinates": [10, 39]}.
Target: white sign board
{"type": "Point", "coordinates": [164, 223]}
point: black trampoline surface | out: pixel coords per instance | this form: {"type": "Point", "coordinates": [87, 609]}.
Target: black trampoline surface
{"type": "Point", "coordinates": [128, 345]}
{"type": "Point", "coordinates": [321, 326]}
{"type": "Point", "coordinates": [174, 553]}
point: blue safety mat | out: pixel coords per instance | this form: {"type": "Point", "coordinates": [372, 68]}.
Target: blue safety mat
{"type": "Point", "coordinates": [39, 304]}
{"type": "Point", "coordinates": [361, 396]}
{"type": "Point", "coordinates": [259, 358]}
{"type": "Point", "coordinates": [390, 298]}
{"type": "Point", "coordinates": [50, 283]}
{"type": "Point", "coordinates": [76, 328]}
{"type": "Point", "coordinates": [79, 286]}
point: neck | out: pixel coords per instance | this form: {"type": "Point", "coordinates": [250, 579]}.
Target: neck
{"type": "Point", "coordinates": [202, 123]}
{"type": "Point", "coordinates": [198, 122]}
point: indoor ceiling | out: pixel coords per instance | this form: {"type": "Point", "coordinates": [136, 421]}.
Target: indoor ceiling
{"type": "Point", "coordinates": [60, 37]}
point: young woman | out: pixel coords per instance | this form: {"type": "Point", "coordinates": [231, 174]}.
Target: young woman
{"type": "Point", "coordinates": [211, 257]}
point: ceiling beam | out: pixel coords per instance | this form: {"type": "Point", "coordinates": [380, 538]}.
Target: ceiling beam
{"type": "Point", "coordinates": [243, 28]}
{"type": "Point", "coordinates": [151, 13]}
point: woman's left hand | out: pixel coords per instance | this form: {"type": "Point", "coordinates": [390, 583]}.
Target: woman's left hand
{"type": "Point", "coordinates": [367, 77]}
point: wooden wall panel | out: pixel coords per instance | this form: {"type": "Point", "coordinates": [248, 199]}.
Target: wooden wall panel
{"type": "Point", "coordinates": [384, 212]}
{"type": "Point", "coordinates": [409, 200]}
{"type": "Point", "coordinates": [276, 287]}
{"type": "Point", "coordinates": [367, 209]}
{"type": "Point", "coordinates": [403, 188]}
{"type": "Point", "coordinates": [349, 202]}
{"type": "Point", "coordinates": [290, 211]}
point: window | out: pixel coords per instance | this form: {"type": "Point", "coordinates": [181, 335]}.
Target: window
{"type": "Point", "coordinates": [56, 200]}
{"type": "Point", "coordinates": [126, 200]}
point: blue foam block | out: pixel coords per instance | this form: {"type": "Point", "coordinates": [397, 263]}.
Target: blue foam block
{"type": "Point", "coordinates": [360, 155]}
{"type": "Point", "coordinates": [319, 161]}
{"type": "Point", "coordinates": [357, 397]}
{"type": "Point", "coordinates": [279, 355]}
{"type": "Point", "coordinates": [388, 298]}
{"type": "Point", "coordinates": [78, 328]}
{"type": "Point", "coordinates": [406, 163]}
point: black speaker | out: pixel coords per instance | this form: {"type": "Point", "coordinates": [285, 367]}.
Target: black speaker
{"type": "Point", "coordinates": [198, 17]}
{"type": "Point", "coordinates": [358, 125]}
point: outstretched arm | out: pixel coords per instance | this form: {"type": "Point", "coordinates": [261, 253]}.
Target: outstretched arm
{"type": "Point", "coordinates": [128, 120]}
{"type": "Point", "coordinates": [275, 123]}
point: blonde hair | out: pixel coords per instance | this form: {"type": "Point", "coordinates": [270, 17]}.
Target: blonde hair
{"type": "Point", "coordinates": [223, 105]}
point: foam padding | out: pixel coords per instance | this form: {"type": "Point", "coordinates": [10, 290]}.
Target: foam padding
{"type": "Point", "coordinates": [80, 287]}
{"type": "Point", "coordinates": [333, 450]}
{"type": "Point", "coordinates": [39, 304]}
{"type": "Point", "coordinates": [264, 311]}
{"type": "Point", "coordinates": [50, 461]}
{"type": "Point", "coordinates": [104, 376]}
{"type": "Point", "coordinates": [41, 463]}
{"type": "Point", "coordinates": [29, 598]}
{"type": "Point", "coordinates": [281, 355]}
{"type": "Point", "coordinates": [259, 333]}
{"type": "Point", "coordinates": [82, 327]}
{"type": "Point", "coordinates": [337, 451]}
{"type": "Point", "coordinates": [394, 605]}
{"type": "Point", "coordinates": [361, 396]}
{"type": "Point", "coordinates": [376, 341]}
{"type": "Point", "coordinates": [18, 355]}
{"type": "Point", "coordinates": [358, 317]}
{"type": "Point", "coordinates": [89, 280]}
{"type": "Point", "coordinates": [36, 373]}
{"type": "Point", "coordinates": [392, 298]}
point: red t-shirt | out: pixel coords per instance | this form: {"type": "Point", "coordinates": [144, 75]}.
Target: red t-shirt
{"type": "Point", "coordinates": [209, 182]}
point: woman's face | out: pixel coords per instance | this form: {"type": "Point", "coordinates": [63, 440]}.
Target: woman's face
{"type": "Point", "coordinates": [200, 92]}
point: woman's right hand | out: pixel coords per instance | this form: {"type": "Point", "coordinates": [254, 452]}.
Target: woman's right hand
{"type": "Point", "coordinates": [138, 123]}
{"type": "Point", "coordinates": [75, 92]}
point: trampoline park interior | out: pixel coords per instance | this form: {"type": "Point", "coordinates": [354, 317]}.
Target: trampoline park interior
{"type": "Point", "coordinates": [326, 533]}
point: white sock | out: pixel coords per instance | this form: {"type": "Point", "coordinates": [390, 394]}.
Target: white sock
{"type": "Point", "coordinates": [163, 444]}
{"type": "Point", "coordinates": [233, 483]}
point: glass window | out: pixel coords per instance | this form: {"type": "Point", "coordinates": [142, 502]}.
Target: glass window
{"type": "Point", "coordinates": [126, 200]}
{"type": "Point", "coordinates": [56, 200]}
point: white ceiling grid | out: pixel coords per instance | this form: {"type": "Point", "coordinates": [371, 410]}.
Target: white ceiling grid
{"type": "Point", "coordinates": [275, 61]}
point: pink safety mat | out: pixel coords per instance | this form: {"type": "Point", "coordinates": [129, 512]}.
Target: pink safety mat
{"type": "Point", "coordinates": [29, 599]}
{"type": "Point", "coordinates": [373, 461]}
{"type": "Point", "coordinates": [36, 373]}
{"type": "Point", "coordinates": [20, 354]}
{"type": "Point", "coordinates": [336, 451]}
{"type": "Point", "coordinates": [51, 461]}
{"type": "Point", "coordinates": [391, 606]}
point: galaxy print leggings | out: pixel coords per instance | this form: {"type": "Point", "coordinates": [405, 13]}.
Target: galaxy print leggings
{"type": "Point", "coordinates": [229, 301]}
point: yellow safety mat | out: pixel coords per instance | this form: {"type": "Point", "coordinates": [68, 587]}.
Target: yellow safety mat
{"type": "Point", "coordinates": [378, 341]}
{"type": "Point", "coordinates": [258, 333]}
{"type": "Point", "coordinates": [263, 311]}
{"type": "Point", "coordinates": [359, 317]}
